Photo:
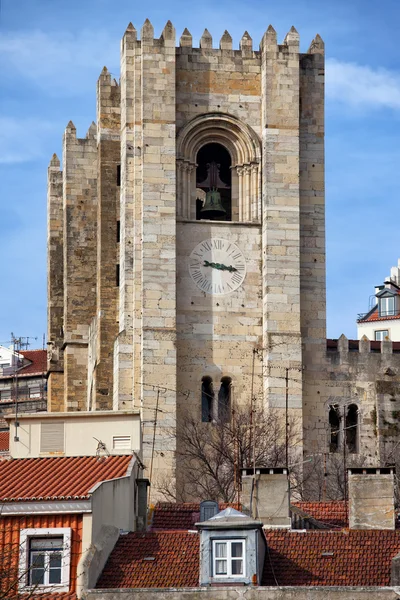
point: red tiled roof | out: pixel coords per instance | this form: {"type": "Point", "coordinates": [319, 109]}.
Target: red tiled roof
{"type": "Point", "coordinates": [336, 558]}
{"type": "Point", "coordinates": [37, 365]}
{"type": "Point", "coordinates": [168, 515]}
{"type": "Point", "coordinates": [153, 560]}
{"type": "Point", "coordinates": [52, 596]}
{"type": "Point", "coordinates": [374, 316]}
{"type": "Point", "coordinates": [57, 478]}
{"type": "Point", "coordinates": [170, 559]}
{"type": "Point", "coordinates": [329, 513]}
{"type": "Point", "coordinates": [4, 441]}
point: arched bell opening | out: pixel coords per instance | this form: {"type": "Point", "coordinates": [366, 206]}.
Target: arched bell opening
{"type": "Point", "coordinates": [213, 177]}
{"type": "Point", "coordinates": [209, 133]}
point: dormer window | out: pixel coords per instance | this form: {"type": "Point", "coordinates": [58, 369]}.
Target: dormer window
{"type": "Point", "coordinates": [387, 306]}
{"type": "Point", "coordinates": [232, 549]}
{"type": "Point", "coordinates": [228, 558]}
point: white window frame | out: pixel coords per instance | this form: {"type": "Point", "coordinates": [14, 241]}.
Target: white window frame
{"type": "Point", "coordinates": [228, 542]}
{"type": "Point", "coordinates": [381, 338]}
{"type": "Point", "coordinates": [385, 310]}
{"type": "Point", "coordinates": [25, 536]}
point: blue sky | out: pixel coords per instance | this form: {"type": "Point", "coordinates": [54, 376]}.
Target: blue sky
{"type": "Point", "coordinates": [52, 52]}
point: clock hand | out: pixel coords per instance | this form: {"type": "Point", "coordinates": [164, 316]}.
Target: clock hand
{"type": "Point", "coordinates": [219, 266]}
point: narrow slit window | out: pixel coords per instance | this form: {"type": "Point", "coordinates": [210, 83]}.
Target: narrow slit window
{"type": "Point", "coordinates": [207, 400]}
{"type": "Point", "coordinates": [334, 428]}
{"type": "Point", "coordinates": [352, 428]}
{"type": "Point", "coordinates": [224, 400]}
{"type": "Point", "coordinates": [118, 175]}
{"type": "Point", "coordinates": [118, 231]}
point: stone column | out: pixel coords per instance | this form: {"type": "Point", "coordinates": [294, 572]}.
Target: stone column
{"type": "Point", "coordinates": [123, 347]}
{"type": "Point", "coordinates": [281, 221]}
{"type": "Point", "coordinates": [55, 286]}
{"type": "Point", "coordinates": [80, 259]}
{"type": "Point", "coordinates": [158, 250]}
{"type": "Point", "coordinates": [109, 159]}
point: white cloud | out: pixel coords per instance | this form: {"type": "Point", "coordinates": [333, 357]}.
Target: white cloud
{"type": "Point", "coordinates": [61, 63]}
{"type": "Point", "coordinates": [22, 139]}
{"type": "Point", "coordinates": [361, 86]}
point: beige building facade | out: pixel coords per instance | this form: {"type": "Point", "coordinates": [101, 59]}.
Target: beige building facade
{"type": "Point", "coordinates": [186, 245]}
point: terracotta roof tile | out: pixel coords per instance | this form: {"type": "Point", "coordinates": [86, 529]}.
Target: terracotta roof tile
{"type": "Point", "coordinates": [329, 513]}
{"type": "Point", "coordinates": [37, 365]}
{"type": "Point", "coordinates": [374, 316]}
{"type": "Point", "coordinates": [170, 559]}
{"type": "Point", "coordinates": [157, 559]}
{"type": "Point", "coordinates": [4, 441]}
{"type": "Point", "coordinates": [168, 515]}
{"type": "Point", "coordinates": [336, 558]}
{"type": "Point", "coordinates": [51, 596]}
{"type": "Point", "coordinates": [57, 477]}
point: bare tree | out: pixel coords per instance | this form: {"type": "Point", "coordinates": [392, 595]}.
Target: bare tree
{"type": "Point", "coordinates": [211, 455]}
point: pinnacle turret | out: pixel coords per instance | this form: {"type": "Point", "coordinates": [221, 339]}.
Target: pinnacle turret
{"type": "Point", "coordinates": [168, 32]}
{"type": "Point", "coordinates": [186, 39]}
{"type": "Point", "coordinates": [225, 42]}
{"type": "Point", "coordinates": [92, 131]}
{"type": "Point", "coordinates": [206, 39]}
{"type": "Point", "coordinates": [246, 43]}
{"type": "Point", "coordinates": [54, 162]}
{"type": "Point", "coordinates": [317, 46]}
{"type": "Point", "coordinates": [292, 37]}
{"type": "Point", "coordinates": [147, 31]}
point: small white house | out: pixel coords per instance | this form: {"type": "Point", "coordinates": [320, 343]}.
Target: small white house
{"type": "Point", "coordinates": [382, 321]}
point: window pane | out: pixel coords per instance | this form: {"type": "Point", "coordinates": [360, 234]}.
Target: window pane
{"type": "Point", "coordinates": [220, 550]}
{"type": "Point", "coordinates": [37, 559]}
{"type": "Point", "coordinates": [237, 549]}
{"type": "Point", "coordinates": [37, 576]}
{"type": "Point", "coordinates": [220, 567]}
{"type": "Point", "coordinates": [50, 543]}
{"type": "Point", "coordinates": [237, 567]}
{"type": "Point", "coordinates": [55, 560]}
{"type": "Point", "coordinates": [55, 575]}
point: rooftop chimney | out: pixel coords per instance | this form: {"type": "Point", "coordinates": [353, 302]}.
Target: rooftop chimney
{"type": "Point", "coordinates": [371, 498]}
{"type": "Point", "coordinates": [265, 496]}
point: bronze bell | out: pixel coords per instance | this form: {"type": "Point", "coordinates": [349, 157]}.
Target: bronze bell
{"type": "Point", "coordinates": [212, 207]}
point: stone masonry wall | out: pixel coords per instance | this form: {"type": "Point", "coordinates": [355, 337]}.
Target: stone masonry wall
{"type": "Point", "coordinates": [80, 259]}
{"type": "Point", "coordinates": [55, 284]}
{"type": "Point", "coordinates": [217, 334]}
{"type": "Point", "coordinates": [109, 159]}
{"type": "Point", "coordinates": [281, 219]}
{"type": "Point", "coordinates": [356, 375]}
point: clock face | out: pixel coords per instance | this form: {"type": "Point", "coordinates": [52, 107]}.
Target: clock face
{"type": "Point", "coordinates": [217, 266]}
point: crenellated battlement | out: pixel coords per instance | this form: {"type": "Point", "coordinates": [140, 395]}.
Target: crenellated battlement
{"type": "Point", "coordinates": [345, 346]}
{"type": "Point", "coordinates": [290, 42]}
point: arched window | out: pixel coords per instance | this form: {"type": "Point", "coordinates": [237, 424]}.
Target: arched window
{"type": "Point", "coordinates": [224, 400]}
{"type": "Point", "coordinates": [352, 428]}
{"type": "Point", "coordinates": [213, 174]}
{"type": "Point", "coordinates": [334, 428]}
{"type": "Point", "coordinates": [226, 141]}
{"type": "Point", "coordinates": [207, 400]}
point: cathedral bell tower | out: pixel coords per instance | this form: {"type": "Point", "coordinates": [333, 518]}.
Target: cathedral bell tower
{"type": "Point", "coordinates": [202, 188]}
